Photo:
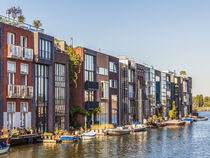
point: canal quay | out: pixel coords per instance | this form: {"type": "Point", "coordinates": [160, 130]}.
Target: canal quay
{"type": "Point", "coordinates": [191, 140]}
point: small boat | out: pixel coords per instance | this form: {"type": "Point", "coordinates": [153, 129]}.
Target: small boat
{"type": "Point", "coordinates": [174, 123]}
{"type": "Point", "coordinates": [201, 118]}
{"type": "Point", "coordinates": [189, 120]}
{"type": "Point", "coordinates": [139, 128]}
{"type": "Point", "coordinates": [88, 135]}
{"type": "Point", "coordinates": [118, 131]}
{"type": "Point", "coordinates": [69, 138]}
{"type": "Point", "coordinates": [3, 148]}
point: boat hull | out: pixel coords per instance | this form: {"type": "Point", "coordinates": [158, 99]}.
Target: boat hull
{"type": "Point", "coordinates": [4, 150]}
{"type": "Point", "coordinates": [118, 132]}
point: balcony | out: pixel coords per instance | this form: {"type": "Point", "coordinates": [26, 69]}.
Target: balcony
{"type": "Point", "coordinates": [19, 52]}
{"type": "Point", "coordinates": [91, 85]}
{"type": "Point", "coordinates": [20, 91]}
{"type": "Point", "coordinates": [91, 105]}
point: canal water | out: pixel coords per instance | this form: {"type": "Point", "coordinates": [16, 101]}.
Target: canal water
{"type": "Point", "coordinates": [182, 142]}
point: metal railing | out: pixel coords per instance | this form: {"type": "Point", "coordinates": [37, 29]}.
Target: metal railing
{"type": "Point", "coordinates": [15, 23]}
{"type": "Point", "coordinates": [20, 52]}
{"type": "Point", "coordinates": [20, 91]}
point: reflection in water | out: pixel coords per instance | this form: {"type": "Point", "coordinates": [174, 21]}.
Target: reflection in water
{"type": "Point", "coordinates": [188, 141]}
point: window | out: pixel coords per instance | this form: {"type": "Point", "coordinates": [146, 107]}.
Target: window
{"type": "Point", "coordinates": [113, 67]}
{"type": "Point", "coordinates": [45, 49]}
{"type": "Point", "coordinates": [130, 75]}
{"type": "Point", "coordinates": [114, 109]}
{"type": "Point", "coordinates": [60, 96]}
{"type": "Point", "coordinates": [23, 74]}
{"type": "Point", "coordinates": [102, 71]}
{"type": "Point", "coordinates": [23, 113]}
{"type": "Point", "coordinates": [11, 108]}
{"type": "Point", "coordinates": [113, 83]}
{"type": "Point", "coordinates": [103, 118]}
{"type": "Point", "coordinates": [10, 38]}
{"type": "Point", "coordinates": [23, 41]}
{"type": "Point", "coordinates": [105, 90]}
{"type": "Point", "coordinates": [41, 96]}
{"type": "Point", "coordinates": [89, 68]}
{"type": "Point", "coordinates": [89, 96]}
{"type": "Point", "coordinates": [11, 69]}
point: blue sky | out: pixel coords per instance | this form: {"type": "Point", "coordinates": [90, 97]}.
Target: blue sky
{"type": "Point", "coordinates": [168, 34]}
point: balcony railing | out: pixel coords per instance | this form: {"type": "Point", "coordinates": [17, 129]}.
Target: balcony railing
{"type": "Point", "coordinates": [19, 52]}
{"type": "Point", "coordinates": [91, 85]}
{"type": "Point", "coordinates": [15, 23]}
{"type": "Point", "coordinates": [20, 91]}
{"type": "Point", "coordinates": [91, 105]}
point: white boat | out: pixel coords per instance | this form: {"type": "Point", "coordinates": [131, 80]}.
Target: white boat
{"type": "Point", "coordinates": [3, 148]}
{"type": "Point", "coordinates": [118, 131]}
{"type": "Point", "coordinates": [89, 135]}
{"type": "Point", "coordinates": [139, 128]}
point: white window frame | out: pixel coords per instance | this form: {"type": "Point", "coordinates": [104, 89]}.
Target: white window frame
{"type": "Point", "coordinates": [8, 64]}
{"type": "Point", "coordinates": [9, 35]}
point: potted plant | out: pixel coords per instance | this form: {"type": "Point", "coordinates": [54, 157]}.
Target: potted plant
{"type": "Point", "coordinates": [21, 20]}
{"type": "Point", "coordinates": [37, 24]}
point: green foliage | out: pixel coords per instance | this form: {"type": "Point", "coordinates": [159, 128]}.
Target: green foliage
{"type": "Point", "coordinates": [183, 73]}
{"type": "Point", "coordinates": [97, 111]}
{"type": "Point", "coordinates": [76, 110]}
{"type": "Point", "coordinates": [37, 23]}
{"type": "Point", "coordinates": [200, 101]}
{"type": "Point", "coordinates": [172, 113]}
{"type": "Point", "coordinates": [21, 18]}
{"type": "Point", "coordinates": [74, 64]}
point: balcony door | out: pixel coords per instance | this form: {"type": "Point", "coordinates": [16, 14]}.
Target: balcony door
{"type": "Point", "coordinates": [11, 106]}
{"type": "Point", "coordinates": [23, 44]}
{"type": "Point", "coordinates": [11, 69]}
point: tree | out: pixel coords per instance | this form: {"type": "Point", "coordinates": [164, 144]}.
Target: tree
{"type": "Point", "coordinates": [173, 112]}
{"type": "Point", "coordinates": [21, 18]}
{"type": "Point", "coordinates": [37, 24]}
{"type": "Point", "coordinates": [183, 73]}
{"type": "Point", "coordinates": [200, 100]}
{"type": "Point", "coordinates": [75, 64]}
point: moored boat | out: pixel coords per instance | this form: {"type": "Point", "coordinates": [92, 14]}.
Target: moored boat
{"type": "Point", "coordinates": [189, 120]}
{"type": "Point", "coordinates": [88, 135]}
{"type": "Point", "coordinates": [174, 123]}
{"type": "Point", "coordinates": [4, 148]}
{"type": "Point", "coordinates": [69, 138]}
{"type": "Point", "coordinates": [118, 131]}
{"type": "Point", "coordinates": [201, 118]}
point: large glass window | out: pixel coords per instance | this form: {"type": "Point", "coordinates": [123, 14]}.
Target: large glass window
{"type": "Point", "coordinates": [45, 48]}
{"type": "Point", "coordinates": [10, 38]}
{"type": "Point", "coordinates": [89, 68]}
{"type": "Point", "coordinates": [23, 74]}
{"type": "Point", "coordinates": [105, 90]}
{"type": "Point", "coordinates": [103, 118]}
{"type": "Point", "coordinates": [112, 67]}
{"type": "Point", "coordinates": [23, 113]}
{"type": "Point", "coordinates": [60, 96]}
{"type": "Point", "coordinates": [11, 69]}
{"type": "Point", "coordinates": [89, 96]}
{"type": "Point", "coordinates": [130, 75]}
{"type": "Point", "coordinates": [11, 108]}
{"type": "Point", "coordinates": [41, 96]}
{"type": "Point", "coordinates": [114, 109]}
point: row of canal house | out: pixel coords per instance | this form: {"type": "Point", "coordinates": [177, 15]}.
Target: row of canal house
{"type": "Point", "coordinates": [35, 90]}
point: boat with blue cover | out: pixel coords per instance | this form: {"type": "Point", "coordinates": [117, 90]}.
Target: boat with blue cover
{"type": "Point", "coordinates": [4, 148]}
{"type": "Point", "coordinates": [69, 138]}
